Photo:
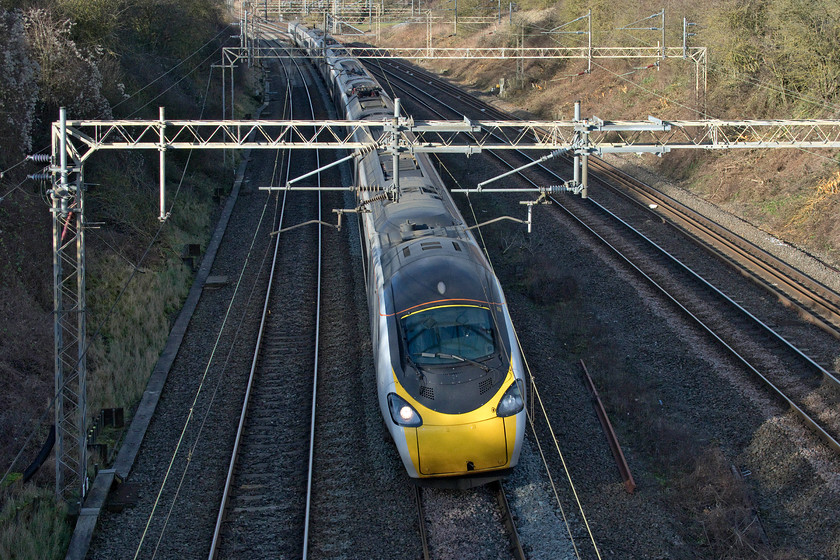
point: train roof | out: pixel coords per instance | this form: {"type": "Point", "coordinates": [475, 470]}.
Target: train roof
{"type": "Point", "coordinates": [439, 268]}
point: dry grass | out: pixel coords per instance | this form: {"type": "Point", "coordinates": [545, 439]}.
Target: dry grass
{"type": "Point", "coordinates": [134, 333]}
{"type": "Point", "coordinates": [818, 208]}
{"type": "Point", "coordinates": [32, 524]}
{"type": "Point", "coordinates": [720, 513]}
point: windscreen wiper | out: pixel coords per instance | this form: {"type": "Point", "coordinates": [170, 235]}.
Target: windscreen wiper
{"type": "Point", "coordinates": [453, 357]}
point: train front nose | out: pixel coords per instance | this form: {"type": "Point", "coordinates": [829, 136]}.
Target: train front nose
{"type": "Point", "coordinates": [459, 449]}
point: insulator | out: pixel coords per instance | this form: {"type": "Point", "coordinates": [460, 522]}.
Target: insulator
{"type": "Point", "coordinates": [377, 198]}
{"type": "Point", "coordinates": [38, 158]}
{"type": "Point", "coordinates": [555, 189]}
{"type": "Point", "coordinates": [365, 150]}
{"type": "Point", "coordinates": [39, 176]}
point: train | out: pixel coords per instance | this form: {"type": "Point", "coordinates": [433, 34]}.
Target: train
{"type": "Point", "coordinates": [450, 378]}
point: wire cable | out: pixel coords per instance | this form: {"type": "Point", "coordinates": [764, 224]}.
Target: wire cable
{"type": "Point", "coordinates": [181, 79]}
{"type": "Point", "coordinates": [566, 521]}
{"type": "Point", "coordinates": [167, 72]}
{"type": "Point", "coordinates": [161, 76]}
{"type": "Point", "coordinates": [545, 414]}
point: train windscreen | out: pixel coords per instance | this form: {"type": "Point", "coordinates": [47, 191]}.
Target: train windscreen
{"type": "Point", "coordinates": [448, 334]}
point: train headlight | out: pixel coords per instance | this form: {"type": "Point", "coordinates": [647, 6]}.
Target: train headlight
{"type": "Point", "coordinates": [511, 402]}
{"type": "Point", "coordinates": [402, 413]}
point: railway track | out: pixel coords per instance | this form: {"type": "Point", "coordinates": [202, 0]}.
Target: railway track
{"type": "Point", "coordinates": [361, 504]}
{"type": "Point", "coordinates": [813, 300]}
{"type": "Point", "coordinates": [313, 476]}
{"type": "Point", "coordinates": [474, 524]}
{"type": "Point", "coordinates": [331, 527]}
{"type": "Point", "coordinates": [807, 384]}
{"type": "Point", "coordinates": [266, 500]}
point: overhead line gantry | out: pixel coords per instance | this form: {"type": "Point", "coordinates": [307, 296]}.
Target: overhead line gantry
{"type": "Point", "coordinates": [592, 136]}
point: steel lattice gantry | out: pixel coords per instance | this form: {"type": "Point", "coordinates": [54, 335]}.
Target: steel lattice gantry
{"type": "Point", "coordinates": [69, 309]}
{"type": "Point", "coordinates": [591, 136]}
{"type": "Point", "coordinates": [695, 54]}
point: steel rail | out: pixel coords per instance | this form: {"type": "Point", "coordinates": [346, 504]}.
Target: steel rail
{"type": "Point", "coordinates": [507, 516]}
{"type": "Point", "coordinates": [507, 519]}
{"type": "Point", "coordinates": [421, 521]}
{"type": "Point", "coordinates": [830, 440]}
{"type": "Point", "coordinates": [422, 529]}
{"type": "Point", "coordinates": [813, 300]}
{"type": "Point", "coordinates": [307, 519]}
{"type": "Point", "coordinates": [311, 466]}
{"type": "Point", "coordinates": [612, 437]}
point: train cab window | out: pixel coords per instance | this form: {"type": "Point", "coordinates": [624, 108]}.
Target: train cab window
{"type": "Point", "coordinates": [449, 334]}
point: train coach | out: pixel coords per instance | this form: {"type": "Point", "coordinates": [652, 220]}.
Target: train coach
{"type": "Point", "coordinates": [449, 374]}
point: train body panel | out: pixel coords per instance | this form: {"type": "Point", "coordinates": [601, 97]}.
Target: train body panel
{"type": "Point", "coordinates": [450, 379]}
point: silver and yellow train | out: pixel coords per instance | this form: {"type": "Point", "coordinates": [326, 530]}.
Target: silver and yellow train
{"type": "Point", "coordinates": [450, 378]}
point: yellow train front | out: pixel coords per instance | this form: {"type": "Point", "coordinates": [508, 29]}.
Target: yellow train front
{"type": "Point", "coordinates": [451, 381]}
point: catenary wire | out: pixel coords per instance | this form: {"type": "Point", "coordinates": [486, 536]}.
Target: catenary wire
{"type": "Point", "coordinates": [545, 415]}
